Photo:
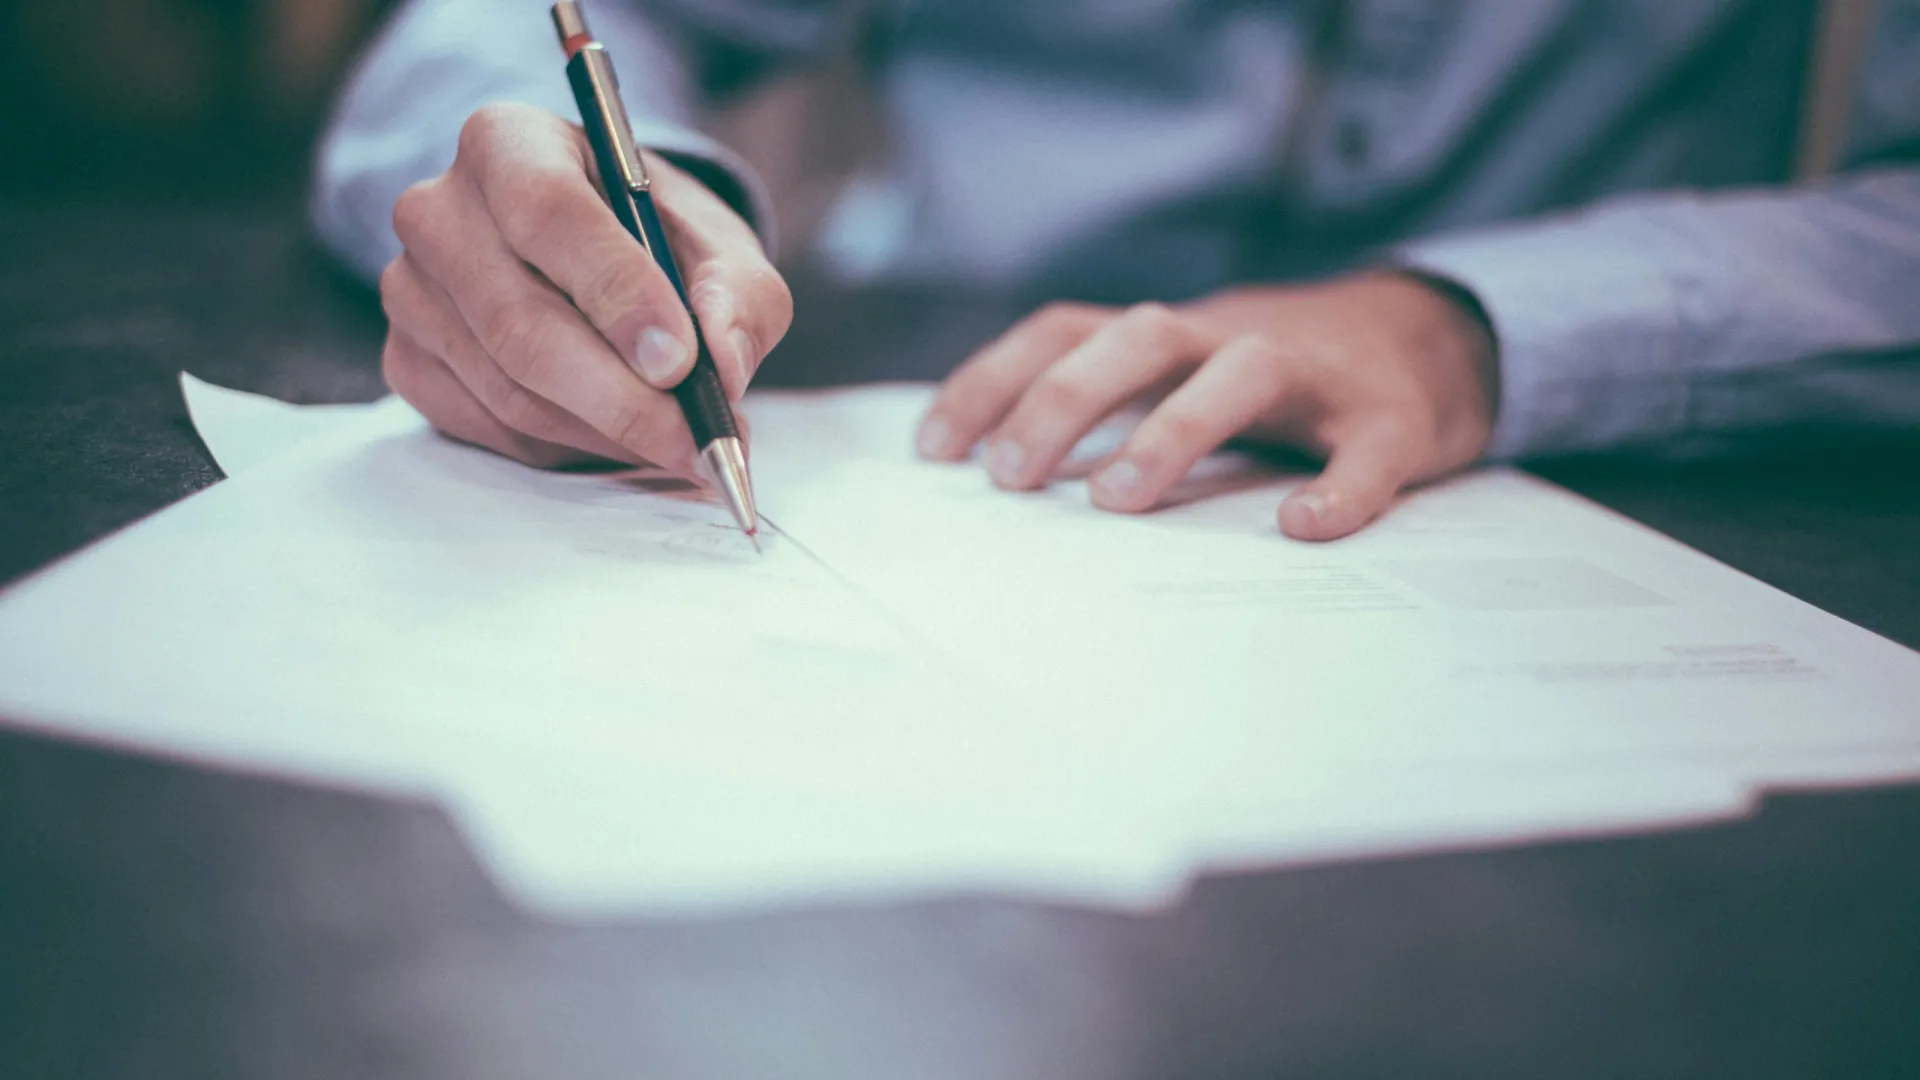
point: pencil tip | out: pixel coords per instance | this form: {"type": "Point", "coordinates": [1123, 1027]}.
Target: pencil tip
{"type": "Point", "coordinates": [726, 465]}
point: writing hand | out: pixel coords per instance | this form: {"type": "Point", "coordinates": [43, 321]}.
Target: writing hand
{"type": "Point", "coordinates": [524, 319]}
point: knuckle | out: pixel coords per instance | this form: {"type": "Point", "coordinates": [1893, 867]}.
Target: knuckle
{"type": "Point", "coordinates": [959, 399]}
{"type": "Point", "coordinates": [1181, 430]}
{"type": "Point", "coordinates": [712, 298]}
{"type": "Point", "coordinates": [517, 408]}
{"type": "Point", "coordinates": [990, 388]}
{"type": "Point", "coordinates": [711, 280]}
{"type": "Point", "coordinates": [539, 199]}
{"type": "Point", "coordinates": [770, 299]}
{"type": "Point", "coordinates": [1152, 322]}
{"type": "Point", "coordinates": [1260, 350]}
{"type": "Point", "coordinates": [1056, 394]}
{"type": "Point", "coordinates": [515, 335]}
{"type": "Point", "coordinates": [481, 133]}
{"type": "Point", "coordinates": [400, 366]}
{"type": "Point", "coordinates": [1057, 323]}
{"type": "Point", "coordinates": [414, 210]}
{"type": "Point", "coordinates": [616, 286]}
{"type": "Point", "coordinates": [393, 291]}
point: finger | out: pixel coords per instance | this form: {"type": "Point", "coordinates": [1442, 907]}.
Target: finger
{"type": "Point", "coordinates": [1363, 474]}
{"type": "Point", "coordinates": [1245, 380]}
{"type": "Point", "coordinates": [532, 331]}
{"type": "Point", "coordinates": [532, 173]}
{"type": "Point", "coordinates": [744, 309]}
{"type": "Point", "coordinates": [429, 386]}
{"type": "Point", "coordinates": [419, 309]}
{"type": "Point", "coordinates": [979, 394]}
{"type": "Point", "coordinates": [744, 306]}
{"type": "Point", "coordinates": [1110, 368]}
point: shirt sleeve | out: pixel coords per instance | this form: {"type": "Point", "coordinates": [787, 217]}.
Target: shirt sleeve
{"type": "Point", "coordinates": [437, 61]}
{"type": "Point", "coordinates": [1660, 319]}
{"type": "Point", "coordinates": [1685, 320]}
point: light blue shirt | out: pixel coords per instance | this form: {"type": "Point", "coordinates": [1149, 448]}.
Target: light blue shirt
{"type": "Point", "coordinates": [1606, 176]}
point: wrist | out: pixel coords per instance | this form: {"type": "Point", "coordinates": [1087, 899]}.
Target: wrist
{"type": "Point", "coordinates": [1467, 324]}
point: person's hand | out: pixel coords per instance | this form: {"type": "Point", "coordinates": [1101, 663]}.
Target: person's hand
{"type": "Point", "coordinates": [524, 319]}
{"type": "Point", "coordinates": [1383, 376]}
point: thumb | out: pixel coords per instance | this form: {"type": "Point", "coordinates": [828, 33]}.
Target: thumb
{"type": "Point", "coordinates": [1363, 474]}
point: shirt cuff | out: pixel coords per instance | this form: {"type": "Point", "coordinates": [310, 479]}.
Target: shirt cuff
{"type": "Point", "coordinates": [1589, 327]}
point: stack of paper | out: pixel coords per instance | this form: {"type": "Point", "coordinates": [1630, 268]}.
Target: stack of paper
{"type": "Point", "coordinates": [923, 683]}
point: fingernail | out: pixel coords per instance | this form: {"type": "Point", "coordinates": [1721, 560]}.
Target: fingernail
{"type": "Point", "coordinates": [658, 356]}
{"type": "Point", "coordinates": [1314, 503]}
{"type": "Point", "coordinates": [1003, 462]}
{"type": "Point", "coordinates": [743, 354]}
{"type": "Point", "coordinates": [933, 437]}
{"type": "Point", "coordinates": [1119, 479]}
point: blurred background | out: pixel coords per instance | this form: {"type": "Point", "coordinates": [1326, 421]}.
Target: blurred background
{"type": "Point", "coordinates": [169, 98]}
{"type": "Point", "coordinates": [220, 101]}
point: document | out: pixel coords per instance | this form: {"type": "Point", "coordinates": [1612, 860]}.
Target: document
{"type": "Point", "coordinates": [243, 430]}
{"type": "Point", "coordinates": [922, 685]}
{"type": "Point", "coordinates": [1493, 615]}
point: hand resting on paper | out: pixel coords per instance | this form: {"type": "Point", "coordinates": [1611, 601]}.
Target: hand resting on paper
{"type": "Point", "coordinates": [524, 319]}
{"type": "Point", "coordinates": [1381, 374]}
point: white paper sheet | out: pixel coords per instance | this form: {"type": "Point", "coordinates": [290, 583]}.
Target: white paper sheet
{"type": "Point", "coordinates": [228, 418]}
{"type": "Point", "coordinates": [945, 688]}
{"type": "Point", "coordinates": [1493, 612]}
{"type": "Point", "coordinates": [1326, 586]}
{"type": "Point", "coordinates": [243, 430]}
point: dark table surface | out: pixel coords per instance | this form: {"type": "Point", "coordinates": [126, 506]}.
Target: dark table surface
{"type": "Point", "coordinates": [160, 920]}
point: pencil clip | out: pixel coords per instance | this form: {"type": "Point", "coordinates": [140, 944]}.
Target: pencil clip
{"type": "Point", "coordinates": [580, 44]}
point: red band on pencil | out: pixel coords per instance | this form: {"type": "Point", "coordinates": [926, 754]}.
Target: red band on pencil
{"type": "Point", "coordinates": [575, 43]}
